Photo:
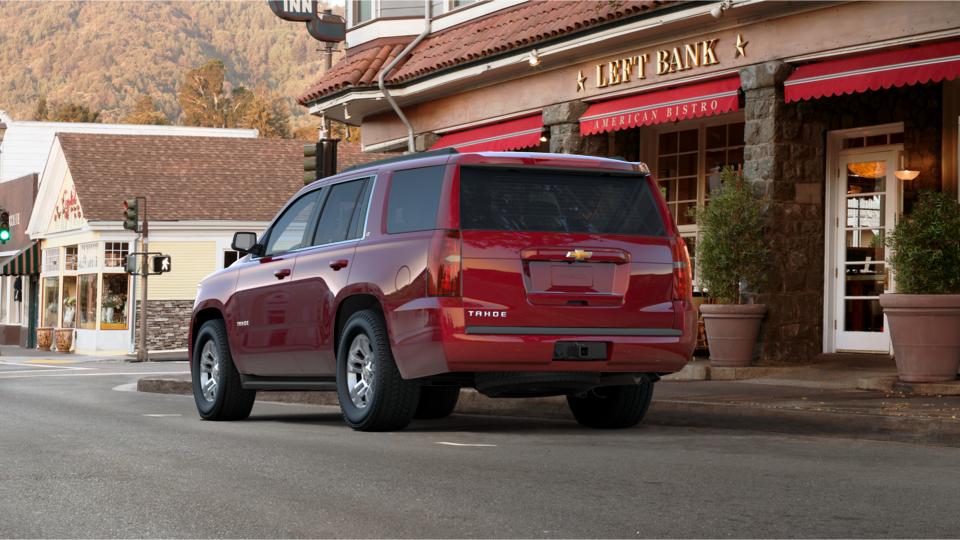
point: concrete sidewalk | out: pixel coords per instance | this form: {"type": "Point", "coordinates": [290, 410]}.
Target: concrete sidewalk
{"type": "Point", "coordinates": [819, 399]}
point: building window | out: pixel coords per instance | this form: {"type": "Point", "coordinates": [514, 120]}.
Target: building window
{"type": "Point", "coordinates": [51, 300]}
{"type": "Point", "coordinates": [114, 312]}
{"type": "Point", "coordinates": [51, 260]}
{"type": "Point", "coordinates": [70, 258]}
{"type": "Point", "coordinates": [362, 11]}
{"type": "Point", "coordinates": [69, 301]}
{"type": "Point", "coordinates": [89, 257]}
{"type": "Point", "coordinates": [230, 257]}
{"type": "Point", "coordinates": [115, 254]}
{"type": "Point", "coordinates": [87, 301]}
{"type": "Point", "coordinates": [689, 157]}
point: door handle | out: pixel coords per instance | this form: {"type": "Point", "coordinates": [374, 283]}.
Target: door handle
{"type": "Point", "coordinates": [338, 264]}
{"type": "Point", "coordinates": [282, 273]}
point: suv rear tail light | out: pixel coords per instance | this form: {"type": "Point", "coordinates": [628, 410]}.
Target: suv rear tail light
{"type": "Point", "coordinates": [443, 264]}
{"type": "Point", "coordinates": [682, 284]}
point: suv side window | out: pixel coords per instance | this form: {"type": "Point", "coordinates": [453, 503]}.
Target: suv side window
{"type": "Point", "coordinates": [291, 230]}
{"type": "Point", "coordinates": [414, 198]}
{"type": "Point", "coordinates": [343, 204]}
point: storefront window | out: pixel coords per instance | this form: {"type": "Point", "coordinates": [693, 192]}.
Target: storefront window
{"type": "Point", "coordinates": [51, 300]}
{"type": "Point", "coordinates": [89, 258]}
{"type": "Point", "coordinates": [69, 302]}
{"type": "Point", "coordinates": [115, 253]}
{"type": "Point", "coordinates": [114, 312]}
{"type": "Point", "coordinates": [677, 161]}
{"type": "Point", "coordinates": [87, 301]}
{"type": "Point", "coordinates": [51, 260]}
{"type": "Point", "coordinates": [362, 11]}
{"type": "Point", "coordinates": [70, 258]}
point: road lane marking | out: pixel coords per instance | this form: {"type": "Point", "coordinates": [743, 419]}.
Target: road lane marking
{"type": "Point", "coordinates": [446, 443]}
{"type": "Point", "coordinates": [49, 361]}
{"type": "Point", "coordinates": [30, 374]}
{"type": "Point", "coordinates": [162, 415]}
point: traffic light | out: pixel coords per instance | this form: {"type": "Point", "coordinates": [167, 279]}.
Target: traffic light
{"type": "Point", "coordinates": [131, 215]}
{"type": "Point", "coordinates": [319, 160]}
{"type": "Point", "coordinates": [4, 227]}
{"type": "Point", "coordinates": [161, 264]}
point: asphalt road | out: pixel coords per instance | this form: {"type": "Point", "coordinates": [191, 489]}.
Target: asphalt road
{"type": "Point", "coordinates": [81, 457]}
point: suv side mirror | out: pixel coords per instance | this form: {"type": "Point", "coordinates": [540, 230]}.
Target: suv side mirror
{"type": "Point", "coordinates": [245, 242]}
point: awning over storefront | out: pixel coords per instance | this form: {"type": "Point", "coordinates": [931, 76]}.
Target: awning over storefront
{"type": "Point", "coordinates": [927, 63]}
{"type": "Point", "coordinates": [509, 135]}
{"type": "Point", "coordinates": [26, 262]}
{"type": "Point", "coordinates": [691, 101]}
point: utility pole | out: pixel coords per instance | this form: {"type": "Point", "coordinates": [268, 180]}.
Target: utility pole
{"type": "Point", "coordinates": [142, 350]}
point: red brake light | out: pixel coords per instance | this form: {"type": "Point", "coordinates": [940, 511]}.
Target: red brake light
{"type": "Point", "coordinates": [443, 265]}
{"type": "Point", "coordinates": [682, 284]}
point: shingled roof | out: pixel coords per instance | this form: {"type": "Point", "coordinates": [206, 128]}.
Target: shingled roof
{"type": "Point", "coordinates": [183, 178]}
{"type": "Point", "coordinates": [522, 26]}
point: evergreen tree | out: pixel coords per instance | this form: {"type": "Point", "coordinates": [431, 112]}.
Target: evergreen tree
{"type": "Point", "coordinates": [72, 112]}
{"type": "Point", "coordinates": [40, 112]}
{"type": "Point", "coordinates": [145, 112]}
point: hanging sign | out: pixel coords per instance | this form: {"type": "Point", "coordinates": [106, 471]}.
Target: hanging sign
{"type": "Point", "coordinates": [294, 10]}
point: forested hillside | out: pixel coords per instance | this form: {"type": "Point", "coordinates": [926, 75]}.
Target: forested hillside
{"type": "Point", "coordinates": [108, 55]}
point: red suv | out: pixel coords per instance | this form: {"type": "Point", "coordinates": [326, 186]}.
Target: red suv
{"type": "Point", "coordinates": [398, 283]}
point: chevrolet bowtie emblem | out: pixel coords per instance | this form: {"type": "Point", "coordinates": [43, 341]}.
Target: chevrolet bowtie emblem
{"type": "Point", "coordinates": [579, 255]}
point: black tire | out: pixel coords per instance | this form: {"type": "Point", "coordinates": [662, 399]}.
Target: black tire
{"type": "Point", "coordinates": [437, 402]}
{"type": "Point", "coordinates": [391, 401]}
{"type": "Point", "coordinates": [230, 401]}
{"type": "Point", "coordinates": [612, 407]}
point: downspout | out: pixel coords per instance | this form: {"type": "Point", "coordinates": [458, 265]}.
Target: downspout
{"type": "Point", "coordinates": [383, 73]}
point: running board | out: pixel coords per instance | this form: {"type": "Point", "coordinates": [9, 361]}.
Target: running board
{"type": "Point", "coordinates": [322, 384]}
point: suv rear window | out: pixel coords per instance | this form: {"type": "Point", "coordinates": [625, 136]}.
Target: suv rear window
{"type": "Point", "coordinates": [414, 198]}
{"type": "Point", "coordinates": [546, 201]}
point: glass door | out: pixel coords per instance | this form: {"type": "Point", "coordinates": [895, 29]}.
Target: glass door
{"type": "Point", "coordinates": [868, 200]}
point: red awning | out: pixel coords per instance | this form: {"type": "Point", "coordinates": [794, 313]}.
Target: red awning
{"type": "Point", "coordinates": [510, 135]}
{"type": "Point", "coordinates": [691, 101]}
{"type": "Point", "coordinates": [927, 63]}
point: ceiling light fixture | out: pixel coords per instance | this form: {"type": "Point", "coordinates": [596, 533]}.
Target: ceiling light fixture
{"type": "Point", "coordinates": [534, 58]}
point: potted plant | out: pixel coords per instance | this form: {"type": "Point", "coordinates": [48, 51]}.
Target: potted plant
{"type": "Point", "coordinates": [924, 314]}
{"type": "Point", "coordinates": [69, 310]}
{"type": "Point", "coordinates": [730, 254]}
{"type": "Point", "coordinates": [64, 338]}
{"type": "Point", "coordinates": [110, 304]}
{"type": "Point", "coordinates": [44, 338]}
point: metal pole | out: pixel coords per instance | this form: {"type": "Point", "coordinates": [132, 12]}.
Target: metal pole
{"type": "Point", "coordinates": [142, 351]}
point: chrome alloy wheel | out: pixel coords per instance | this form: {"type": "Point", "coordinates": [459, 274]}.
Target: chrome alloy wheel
{"type": "Point", "coordinates": [209, 371]}
{"type": "Point", "coordinates": [361, 372]}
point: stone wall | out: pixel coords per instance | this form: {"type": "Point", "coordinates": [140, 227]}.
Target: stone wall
{"type": "Point", "coordinates": [785, 158]}
{"type": "Point", "coordinates": [168, 324]}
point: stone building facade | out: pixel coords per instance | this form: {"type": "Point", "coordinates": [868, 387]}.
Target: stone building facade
{"type": "Point", "coordinates": [816, 110]}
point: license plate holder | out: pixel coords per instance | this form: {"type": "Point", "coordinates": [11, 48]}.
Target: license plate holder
{"type": "Point", "coordinates": [580, 350]}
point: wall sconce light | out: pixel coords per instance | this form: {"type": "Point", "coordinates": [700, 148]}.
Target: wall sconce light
{"type": "Point", "coordinates": [903, 173]}
{"type": "Point", "coordinates": [543, 137]}
{"type": "Point", "coordinates": [346, 113]}
{"type": "Point", "coordinates": [718, 10]}
{"type": "Point", "coordinates": [534, 58]}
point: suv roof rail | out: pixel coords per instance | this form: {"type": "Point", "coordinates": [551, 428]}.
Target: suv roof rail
{"type": "Point", "coordinates": [405, 157]}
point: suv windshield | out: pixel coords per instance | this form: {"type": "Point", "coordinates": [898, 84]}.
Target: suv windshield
{"type": "Point", "coordinates": [501, 199]}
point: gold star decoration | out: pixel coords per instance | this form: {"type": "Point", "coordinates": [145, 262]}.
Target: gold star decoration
{"type": "Point", "coordinates": [580, 81]}
{"type": "Point", "coordinates": [741, 46]}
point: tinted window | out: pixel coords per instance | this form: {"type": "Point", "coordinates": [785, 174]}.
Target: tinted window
{"type": "Point", "coordinates": [338, 213]}
{"type": "Point", "coordinates": [518, 200]}
{"type": "Point", "coordinates": [414, 198]}
{"type": "Point", "coordinates": [290, 231]}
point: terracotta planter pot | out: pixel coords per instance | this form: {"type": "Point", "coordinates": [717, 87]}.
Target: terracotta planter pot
{"type": "Point", "coordinates": [44, 338]}
{"type": "Point", "coordinates": [925, 331]}
{"type": "Point", "coordinates": [732, 331]}
{"type": "Point", "coordinates": [64, 339]}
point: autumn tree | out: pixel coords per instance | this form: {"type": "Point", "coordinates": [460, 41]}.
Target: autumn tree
{"type": "Point", "coordinates": [145, 112]}
{"type": "Point", "coordinates": [64, 112]}
{"type": "Point", "coordinates": [202, 98]}
{"type": "Point", "coordinates": [40, 112]}
{"type": "Point", "coordinates": [264, 111]}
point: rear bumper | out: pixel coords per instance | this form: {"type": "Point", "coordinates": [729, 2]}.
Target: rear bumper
{"type": "Point", "coordinates": [430, 338]}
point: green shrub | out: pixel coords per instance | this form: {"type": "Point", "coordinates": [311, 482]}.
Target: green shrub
{"type": "Point", "coordinates": [731, 247]}
{"type": "Point", "coordinates": [926, 247]}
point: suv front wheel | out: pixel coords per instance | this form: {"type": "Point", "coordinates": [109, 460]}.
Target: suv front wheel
{"type": "Point", "coordinates": [372, 394]}
{"type": "Point", "coordinates": [217, 389]}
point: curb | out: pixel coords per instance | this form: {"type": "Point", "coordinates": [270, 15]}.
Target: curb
{"type": "Point", "coordinates": [670, 412]}
{"type": "Point", "coordinates": [893, 384]}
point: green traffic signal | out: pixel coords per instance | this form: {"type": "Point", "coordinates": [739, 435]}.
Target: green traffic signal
{"type": "Point", "coordinates": [4, 227]}
{"type": "Point", "coordinates": [131, 214]}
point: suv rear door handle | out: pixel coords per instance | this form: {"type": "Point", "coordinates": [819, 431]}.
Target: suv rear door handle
{"type": "Point", "coordinates": [338, 264]}
{"type": "Point", "coordinates": [282, 273]}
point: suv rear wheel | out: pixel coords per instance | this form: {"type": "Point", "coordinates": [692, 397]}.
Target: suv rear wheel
{"type": "Point", "coordinates": [437, 402]}
{"type": "Point", "coordinates": [216, 382]}
{"type": "Point", "coordinates": [372, 394]}
{"type": "Point", "coordinates": [612, 407]}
